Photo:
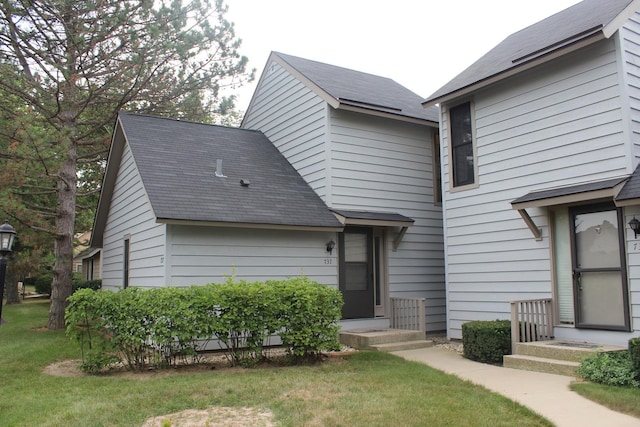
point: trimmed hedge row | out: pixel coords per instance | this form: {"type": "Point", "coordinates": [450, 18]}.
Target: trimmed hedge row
{"type": "Point", "coordinates": [42, 284]}
{"type": "Point", "coordinates": [164, 326]}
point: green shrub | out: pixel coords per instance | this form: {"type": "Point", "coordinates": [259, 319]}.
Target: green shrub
{"type": "Point", "coordinates": [634, 353]}
{"type": "Point", "coordinates": [85, 284]}
{"type": "Point", "coordinates": [486, 341]}
{"type": "Point", "coordinates": [309, 313]}
{"type": "Point", "coordinates": [42, 284]}
{"type": "Point", "coordinates": [611, 368]}
{"type": "Point", "coordinates": [165, 326]}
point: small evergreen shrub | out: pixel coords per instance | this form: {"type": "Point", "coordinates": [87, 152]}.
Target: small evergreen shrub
{"type": "Point", "coordinates": [634, 353]}
{"type": "Point", "coordinates": [611, 368]}
{"type": "Point", "coordinates": [486, 341]}
{"type": "Point", "coordinates": [42, 284]}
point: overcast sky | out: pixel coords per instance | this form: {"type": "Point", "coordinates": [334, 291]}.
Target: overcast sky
{"type": "Point", "coordinates": [421, 44]}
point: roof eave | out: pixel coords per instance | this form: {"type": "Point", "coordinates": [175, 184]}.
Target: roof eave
{"type": "Point", "coordinates": [394, 116]}
{"type": "Point", "coordinates": [263, 226]}
{"type": "Point", "coordinates": [517, 69]}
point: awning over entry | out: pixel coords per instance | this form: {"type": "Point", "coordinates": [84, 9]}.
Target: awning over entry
{"type": "Point", "coordinates": [375, 219]}
{"type": "Point", "coordinates": [590, 191]}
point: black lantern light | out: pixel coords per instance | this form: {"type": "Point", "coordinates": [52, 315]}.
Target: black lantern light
{"type": "Point", "coordinates": [330, 245]}
{"type": "Point", "coordinates": [7, 236]}
{"type": "Point", "coordinates": [635, 226]}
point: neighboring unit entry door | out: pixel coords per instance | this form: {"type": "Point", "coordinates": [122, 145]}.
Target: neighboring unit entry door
{"type": "Point", "coordinates": [599, 272]}
{"type": "Point", "coordinates": [355, 248]}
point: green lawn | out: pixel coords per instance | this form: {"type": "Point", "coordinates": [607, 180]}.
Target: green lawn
{"type": "Point", "coordinates": [620, 399]}
{"type": "Point", "coordinates": [364, 389]}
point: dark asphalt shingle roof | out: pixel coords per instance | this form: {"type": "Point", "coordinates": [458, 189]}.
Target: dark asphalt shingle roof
{"type": "Point", "coordinates": [569, 24]}
{"type": "Point", "coordinates": [374, 216]}
{"type": "Point", "coordinates": [362, 89]}
{"type": "Point", "coordinates": [631, 189]}
{"type": "Point", "coordinates": [177, 163]}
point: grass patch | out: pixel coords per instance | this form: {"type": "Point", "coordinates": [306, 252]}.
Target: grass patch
{"type": "Point", "coordinates": [365, 389]}
{"type": "Point", "coordinates": [620, 399]}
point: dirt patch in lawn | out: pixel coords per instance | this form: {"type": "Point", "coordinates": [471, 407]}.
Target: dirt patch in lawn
{"type": "Point", "coordinates": [215, 417]}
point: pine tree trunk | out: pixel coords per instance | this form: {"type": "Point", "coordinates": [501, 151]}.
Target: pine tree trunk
{"type": "Point", "coordinates": [13, 296]}
{"type": "Point", "coordinates": [63, 247]}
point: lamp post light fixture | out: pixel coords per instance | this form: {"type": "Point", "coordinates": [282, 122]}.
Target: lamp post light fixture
{"type": "Point", "coordinates": [7, 236]}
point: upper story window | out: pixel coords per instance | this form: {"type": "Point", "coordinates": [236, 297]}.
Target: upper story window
{"type": "Point", "coordinates": [462, 149]}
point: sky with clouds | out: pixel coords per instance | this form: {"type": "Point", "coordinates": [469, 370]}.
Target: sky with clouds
{"type": "Point", "coordinates": [421, 44]}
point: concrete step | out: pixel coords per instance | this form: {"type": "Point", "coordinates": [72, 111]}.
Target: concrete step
{"type": "Point", "coordinates": [541, 364]}
{"type": "Point", "coordinates": [561, 350]}
{"type": "Point", "coordinates": [363, 339]}
{"type": "Point", "coordinates": [400, 346]}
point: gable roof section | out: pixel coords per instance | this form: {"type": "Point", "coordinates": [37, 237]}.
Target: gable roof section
{"type": "Point", "coordinates": [177, 164]}
{"type": "Point", "coordinates": [353, 90]}
{"type": "Point", "coordinates": [566, 31]}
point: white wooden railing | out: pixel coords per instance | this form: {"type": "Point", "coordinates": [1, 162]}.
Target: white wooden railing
{"type": "Point", "coordinates": [408, 313]}
{"type": "Point", "coordinates": [531, 320]}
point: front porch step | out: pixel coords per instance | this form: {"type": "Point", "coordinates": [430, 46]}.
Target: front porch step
{"type": "Point", "coordinates": [541, 364]}
{"type": "Point", "coordinates": [400, 346]}
{"type": "Point", "coordinates": [553, 357]}
{"type": "Point", "coordinates": [384, 339]}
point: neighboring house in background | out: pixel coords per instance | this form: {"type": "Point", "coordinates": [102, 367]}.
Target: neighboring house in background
{"type": "Point", "coordinates": [89, 260]}
{"type": "Point", "coordinates": [86, 260]}
{"type": "Point", "coordinates": [540, 140]}
{"type": "Point", "coordinates": [366, 147]}
{"type": "Point", "coordinates": [81, 243]}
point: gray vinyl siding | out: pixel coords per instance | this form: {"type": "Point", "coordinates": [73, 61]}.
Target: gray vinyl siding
{"type": "Point", "coordinates": [202, 255]}
{"type": "Point", "coordinates": [555, 125]}
{"type": "Point", "coordinates": [386, 165]}
{"type": "Point", "coordinates": [294, 119]}
{"type": "Point", "coordinates": [130, 215]}
{"type": "Point", "coordinates": [630, 47]}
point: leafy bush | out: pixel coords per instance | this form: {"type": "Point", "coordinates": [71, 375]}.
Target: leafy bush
{"type": "Point", "coordinates": [611, 368]}
{"type": "Point", "coordinates": [634, 353]}
{"type": "Point", "coordinates": [308, 312]}
{"type": "Point", "coordinates": [164, 326]}
{"type": "Point", "coordinates": [486, 341]}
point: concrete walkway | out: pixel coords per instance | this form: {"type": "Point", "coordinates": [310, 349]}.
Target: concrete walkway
{"type": "Point", "coordinates": [547, 394]}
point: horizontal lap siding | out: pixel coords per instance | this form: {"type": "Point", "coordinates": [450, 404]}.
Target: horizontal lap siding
{"type": "Point", "coordinates": [294, 119]}
{"type": "Point", "coordinates": [211, 255]}
{"type": "Point", "coordinates": [130, 214]}
{"type": "Point", "coordinates": [630, 41]}
{"type": "Point", "coordinates": [385, 165]}
{"type": "Point", "coordinates": [555, 125]}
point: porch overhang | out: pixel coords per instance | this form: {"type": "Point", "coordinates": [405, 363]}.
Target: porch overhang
{"type": "Point", "coordinates": [376, 219]}
{"type": "Point", "coordinates": [606, 190]}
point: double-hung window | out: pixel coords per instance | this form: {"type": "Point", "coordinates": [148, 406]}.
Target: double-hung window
{"type": "Point", "coordinates": [462, 148]}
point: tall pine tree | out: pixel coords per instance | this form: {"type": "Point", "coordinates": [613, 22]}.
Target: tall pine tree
{"type": "Point", "coordinates": [69, 66]}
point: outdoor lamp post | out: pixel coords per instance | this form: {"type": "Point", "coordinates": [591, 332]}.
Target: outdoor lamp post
{"type": "Point", "coordinates": [7, 235]}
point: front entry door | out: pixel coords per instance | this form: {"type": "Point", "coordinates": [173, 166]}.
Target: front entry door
{"type": "Point", "coordinates": [599, 273]}
{"type": "Point", "coordinates": [355, 247]}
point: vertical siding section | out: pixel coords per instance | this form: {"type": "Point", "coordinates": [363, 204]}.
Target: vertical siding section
{"type": "Point", "coordinates": [294, 119]}
{"type": "Point", "coordinates": [386, 165]}
{"type": "Point", "coordinates": [559, 124]}
{"type": "Point", "coordinates": [630, 46]}
{"type": "Point", "coordinates": [210, 255]}
{"type": "Point", "coordinates": [131, 215]}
